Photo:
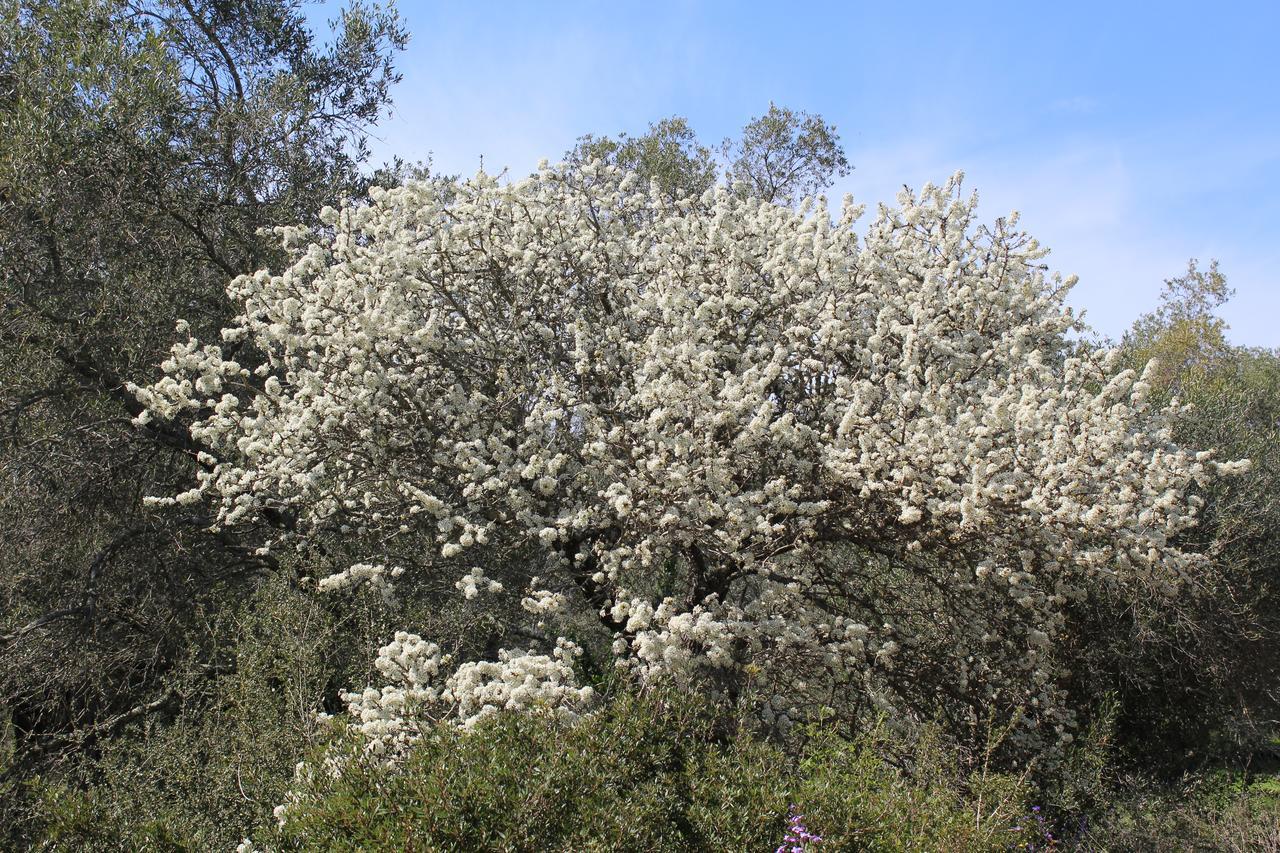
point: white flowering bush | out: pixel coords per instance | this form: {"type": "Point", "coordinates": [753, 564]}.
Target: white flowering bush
{"type": "Point", "coordinates": [418, 692]}
{"type": "Point", "coordinates": [765, 452]}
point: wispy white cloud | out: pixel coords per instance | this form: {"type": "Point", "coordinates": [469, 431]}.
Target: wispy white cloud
{"type": "Point", "coordinates": [1123, 180]}
{"type": "Point", "coordinates": [1103, 212]}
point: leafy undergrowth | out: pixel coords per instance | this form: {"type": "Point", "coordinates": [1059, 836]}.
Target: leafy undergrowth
{"type": "Point", "coordinates": [671, 772]}
{"type": "Point", "coordinates": [1219, 813]}
{"type": "Point", "coordinates": [656, 773]}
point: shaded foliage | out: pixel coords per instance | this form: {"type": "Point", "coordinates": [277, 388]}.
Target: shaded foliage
{"type": "Point", "coordinates": [1201, 682]}
{"type": "Point", "coordinates": [142, 147]}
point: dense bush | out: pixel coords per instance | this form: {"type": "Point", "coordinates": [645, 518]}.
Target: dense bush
{"type": "Point", "coordinates": [659, 772]}
{"type": "Point", "coordinates": [192, 777]}
{"type": "Point", "coordinates": [1197, 679]}
{"type": "Point", "coordinates": [664, 770]}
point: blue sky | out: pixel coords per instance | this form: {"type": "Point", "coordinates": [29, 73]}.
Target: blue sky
{"type": "Point", "coordinates": [1131, 136]}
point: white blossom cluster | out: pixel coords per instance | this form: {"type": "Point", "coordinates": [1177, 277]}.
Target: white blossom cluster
{"type": "Point", "coordinates": [376, 576]}
{"type": "Point", "coordinates": [860, 465]}
{"type": "Point", "coordinates": [519, 681]}
{"type": "Point", "coordinates": [474, 582]}
{"type": "Point", "coordinates": [419, 693]}
{"type": "Point", "coordinates": [390, 718]}
{"type": "Point", "coordinates": [543, 602]}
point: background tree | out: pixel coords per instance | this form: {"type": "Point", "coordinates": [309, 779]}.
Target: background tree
{"type": "Point", "coordinates": [143, 145]}
{"type": "Point", "coordinates": [785, 155]}
{"type": "Point", "coordinates": [1201, 679]}
{"type": "Point", "coordinates": [669, 153]}
{"type": "Point", "coordinates": [780, 157]}
{"type": "Point", "coordinates": [1184, 334]}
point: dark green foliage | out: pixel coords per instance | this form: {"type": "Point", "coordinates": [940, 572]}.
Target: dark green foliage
{"type": "Point", "coordinates": [143, 144]}
{"type": "Point", "coordinates": [660, 772]}
{"type": "Point", "coordinates": [1199, 680]}
{"type": "Point", "coordinates": [222, 759]}
{"type": "Point", "coordinates": [1221, 812]}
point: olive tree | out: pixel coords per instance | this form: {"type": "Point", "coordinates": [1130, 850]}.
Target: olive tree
{"type": "Point", "coordinates": [783, 156]}
{"type": "Point", "coordinates": [143, 145]}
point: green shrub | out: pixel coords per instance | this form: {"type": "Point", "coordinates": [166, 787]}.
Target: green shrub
{"type": "Point", "coordinates": [194, 777]}
{"type": "Point", "coordinates": [657, 772]}
{"type": "Point", "coordinates": [1219, 812]}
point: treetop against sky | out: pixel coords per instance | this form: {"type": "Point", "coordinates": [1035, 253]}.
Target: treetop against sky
{"type": "Point", "coordinates": [1130, 138]}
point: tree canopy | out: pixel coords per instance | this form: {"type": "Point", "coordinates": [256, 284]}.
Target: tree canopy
{"type": "Point", "coordinates": [854, 473]}
{"type": "Point", "coordinates": [142, 147]}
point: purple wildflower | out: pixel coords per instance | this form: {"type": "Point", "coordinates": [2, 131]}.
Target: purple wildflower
{"type": "Point", "coordinates": [1037, 822]}
{"type": "Point", "coordinates": [798, 836]}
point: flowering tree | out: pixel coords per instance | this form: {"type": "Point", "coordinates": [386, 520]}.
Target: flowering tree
{"type": "Point", "coordinates": [861, 474]}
